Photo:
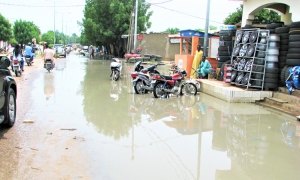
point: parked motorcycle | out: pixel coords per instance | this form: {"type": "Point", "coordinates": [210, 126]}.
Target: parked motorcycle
{"type": "Point", "coordinates": [48, 65]}
{"type": "Point", "coordinates": [16, 67]}
{"type": "Point", "coordinates": [29, 59]}
{"type": "Point", "coordinates": [164, 86]}
{"type": "Point", "coordinates": [141, 78]}
{"type": "Point", "coordinates": [116, 68]}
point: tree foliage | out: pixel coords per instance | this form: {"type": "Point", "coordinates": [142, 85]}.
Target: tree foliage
{"type": "Point", "coordinates": [24, 31]}
{"type": "Point", "coordinates": [105, 21]}
{"type": "Point", "coordinates": [211, 27]}
{"type": "Point", "coordinates": [172, 30]}
{"type": "Point", "coordinates": [263, 16]}
{"type": "Point", "coordinates": [5, 29]}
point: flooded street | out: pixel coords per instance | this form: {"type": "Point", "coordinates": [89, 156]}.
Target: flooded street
{"type": "Point", "coordinates": [88, 127]}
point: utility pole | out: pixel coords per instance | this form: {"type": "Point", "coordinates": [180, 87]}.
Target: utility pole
{"type": "Point", "coordinates": [206, 29]}
{"type": "Point", "coordinates": [135, 22]}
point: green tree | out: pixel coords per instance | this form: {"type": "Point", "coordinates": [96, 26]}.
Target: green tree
{"type": "Point", "coordinates": [24, 31]}
{"type": "Point", "coordinates": [48, 37]}
{"type": "Point", "coordinates": [5, 29]}
{"type": "Point", "coordinates": [211, 27]}
{"type": "Point", "coordinates": [263, 16]}
{"type": "Point", "coordinates": [105, 21]}
{"type": "Point", "coordinates": [200, 29]}
{"type": "Point", "coordinates": [172, 30]}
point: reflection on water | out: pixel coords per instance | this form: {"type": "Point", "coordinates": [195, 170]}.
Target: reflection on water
{"type": "Point", "coordinates": [48, 85]}
{"type": "Point", "coordinates": [190, 137]}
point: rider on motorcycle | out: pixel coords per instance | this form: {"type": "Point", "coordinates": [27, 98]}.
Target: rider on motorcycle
{"type": "Point", "coordinates": [48, 54]}
{"type": "Point", "coordinates": [29, 52]}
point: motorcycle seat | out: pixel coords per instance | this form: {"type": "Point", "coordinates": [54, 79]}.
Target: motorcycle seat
{"type": "Point", "coordinates": [167, 77]}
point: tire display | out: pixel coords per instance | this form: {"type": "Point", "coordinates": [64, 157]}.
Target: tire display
{"type": "Point", "coordinates": [248, 57]}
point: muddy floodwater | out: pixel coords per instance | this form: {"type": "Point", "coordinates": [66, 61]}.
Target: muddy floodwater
{"type": "Point", "coordinates": [89, 127]}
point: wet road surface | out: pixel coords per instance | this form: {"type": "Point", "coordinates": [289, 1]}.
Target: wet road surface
{"type": "Point", "coordinates": [88, 127]}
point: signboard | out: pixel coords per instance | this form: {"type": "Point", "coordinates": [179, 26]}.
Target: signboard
{"type": "Point", "coordinates": [139, 37]}
{"type": "Point", "coordinates": [176, 40]}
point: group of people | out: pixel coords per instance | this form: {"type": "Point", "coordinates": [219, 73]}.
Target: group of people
{"type": "Point", "coordinates": [16, 53]}
{"type": "Point", "coordinates": [201, 67]}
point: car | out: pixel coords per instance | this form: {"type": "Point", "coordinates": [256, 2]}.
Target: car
{"type": "Point", "coordinates": [8, 94]}
{"type": "Point", "coordinates": [85, 48]}
{"type": "Point", "coordinates": [59, 48]}
{"type": "Point", "coordinates": [63, 53]}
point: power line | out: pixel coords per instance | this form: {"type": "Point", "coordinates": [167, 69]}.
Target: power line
{"type": "Point", "coordinates": [186, 14]}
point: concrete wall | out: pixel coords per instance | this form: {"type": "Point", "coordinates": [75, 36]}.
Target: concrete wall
{"type": "Point", "coordinates": [158, 44]}
{"type": "Point", "coordinates": [289, 9]}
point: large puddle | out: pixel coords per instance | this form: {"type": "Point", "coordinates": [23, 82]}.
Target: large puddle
{"type": "Point", "coordinates": [131, 136]}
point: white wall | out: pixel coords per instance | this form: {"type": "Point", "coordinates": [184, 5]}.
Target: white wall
{"type": "Point", "coordinates": [253, 6]}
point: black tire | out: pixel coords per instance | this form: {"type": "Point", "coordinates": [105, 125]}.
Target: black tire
{"type": "Point", "coordinates": [220, 64]}
{"type": "Point", "coordinates": [272, 70]}
{"type": "Point", "coordinates": [295, 24]}
{"type": "Point", "coordinates": [271, 80]}
{"type": "Point", "coordinates": [294, 44]}
{"type": "Point", "coordinates": [224, 53]}
{"type": "Point", "coordinates": [294, 37]}
{"type": "Point", "coordinates": [281, 65]}
{"type": "Point", "coordinates": [261, 54]}
{"type": "Point", "coordinates": [284, 47]}
{"type": "Point", "coordinates": [270, 85]}
{"type": "Point", "coordinates": [284, 36]}
{"type": "Point", "coordinates": [283, 53]}
{"type": "Point", "coordinates": [157, 89]}
{"type": "Point", "coordinates": [222, 67]}
{"type": "Point", "coordinates": [115, 76]}
{"type": "Point", "coordinates": [294, 32]}
{"type": "Point", "coordinates": [250, 50]}
{"type": "Point", "coordinates": [16, 73]}
{"type": "Point", "coordinates": [284, 41]}
{"type": "Point", "coordinates": [293, 62]}
{"type": "Point", "coordinates": [224, 58]}
{"type": "Point", "coordinates": [227, 33]}
{"type": "Point", "coordinates": [280, 30]}
{"type": "Point", "coordinates": [188, 91]}
{"type": "Point", "coordinates": [225, 38]}
{"type": "Point", "coordinates": [293, 56]}
{"type": "Point", "coordinates": [146, 58]}
{"type": "Point", "coordinates": [294, 50]}
{"type": "Point", "coordinates": [10, 108]}
{"type": "Point", "coordinates": [282, 59]}
{"type": "Point", "coordinates": [259, 61]}
{"type": "Point", "coordinates": [274, 25]}
{"type": "Point", "coordinates": [272, 31]}
{"type": "Point", "coordinates": [257, 68]}
{"type": "Point", "coordinates": [294, 29]}
{"type": "Point", "coordinates": [137, 87]}
{"type": "Point", "coordinates": [272, 75]}
{"type": "Point", "coordinates": [225, 48]}
{"type": "Point", "coordinates": [282, 74]}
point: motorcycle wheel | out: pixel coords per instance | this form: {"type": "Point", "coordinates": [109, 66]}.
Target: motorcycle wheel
{"type": "Point", "coordinates": [48, 70]}
{"type": "Point", "coordinates": [115, 75]}
{"type": "Point", "coordinates": [188, 89]}
{"type": "Point", "coordinates": [138, 87]}
{"type": "Point", "coordinates": [158, 90]}
{"type": "Point", "coordinates": [16, 72]}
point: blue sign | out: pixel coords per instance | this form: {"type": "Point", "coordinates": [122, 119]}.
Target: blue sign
{"type": "Point", "coordinates": [190, 33]}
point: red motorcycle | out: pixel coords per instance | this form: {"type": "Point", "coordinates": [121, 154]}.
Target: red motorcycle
{"type": "Point", "coordinates": [164, 86]}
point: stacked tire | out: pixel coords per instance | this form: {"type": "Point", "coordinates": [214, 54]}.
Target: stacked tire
{"type": "Point", "coordinates": [272, 26]}
{"type": "Point", "coordinates": [225, 47]}
{"type": "Point", "coordinates": [283, 32]}
{"type": "Point", "coordinates": [272, 71]}
{"type": "Point", "coordinates": [293, 55]}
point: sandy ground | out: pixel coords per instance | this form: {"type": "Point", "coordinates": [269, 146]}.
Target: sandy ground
{"type": "Point", "coordinates": [39, 150]}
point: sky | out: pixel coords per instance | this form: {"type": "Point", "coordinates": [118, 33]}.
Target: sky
{"type": "Point", "coordinates": [182, 14]}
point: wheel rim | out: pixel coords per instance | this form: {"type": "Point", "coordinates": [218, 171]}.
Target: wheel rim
{"type": "Point", "coordinates": [158, 89]}
{"type": "Point", "coordinates": [139, 88]}
{"type": "Point", "coordinates": [189, 89]}
{"type": "Point", "coordinates": [11, 108]}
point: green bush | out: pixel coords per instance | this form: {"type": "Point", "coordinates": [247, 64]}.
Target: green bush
{"type": "Point", "coordinates": [51, 45]}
